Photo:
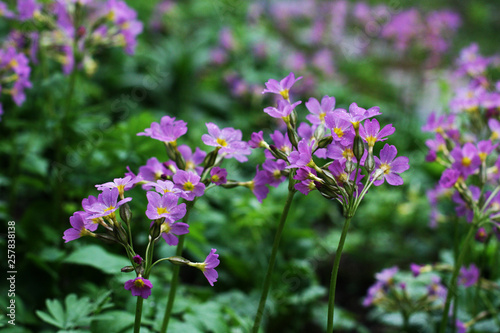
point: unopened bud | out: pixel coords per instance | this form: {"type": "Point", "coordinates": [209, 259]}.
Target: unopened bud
{"type": "Point", "coordinates": [127, 269]}
{"type": "Point", "coordinates": [349, 166]}
{"type": "Point", "coordinates": [278, 153]}
{"type": "Point", "coordinates": [179, 160]}
{"type": "Point", "coordinates": [293, 119]}
{"type": "Point", "coordinates": [319, 133]}
{"type": "Point", "coordinates": [210, 159]}
{"type": "Point", "coordinates": [230, 184]}
{"type": "Point", "coordinates": [293, 136]}
{"type": "Point", "coordinates": [323, 143]}
{"type": "Point", "coordinates": [81, 31]}
{"type": "Point", "coordinates": [125, 213]}
{"type": "Point", "coordinates": [170, 148]}
{"type": "Point", "coordinates": [358, 147]}
{"type": "Point", "coordinates": [177, 260]}
{"type": "Point", "coordinates": [370, 163]}
{"type": "Point", "coordinates": [155, 230]}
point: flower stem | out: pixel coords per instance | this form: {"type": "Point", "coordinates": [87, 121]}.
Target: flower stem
{"type": "Point", "coordinates": [452, 287]}
{"type": "Point", "coordinates": [138, 314]}
{"type": "Point", "coordinates": [175, 273]}
{"type": "Point", "coordinates": [335, 270]}
{"type": "Point", "coordinates": [272, 260]}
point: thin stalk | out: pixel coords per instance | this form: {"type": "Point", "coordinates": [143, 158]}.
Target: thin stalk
{"type": "Point", "coordinates": [138, 314]}
{"type": "Point", "coordinates": [455, 259]}
{"type": "Point", "coordinates": [175, 273]}
{"type": "Point", "coordinates": [335, 270]}
{"type": "Point", "coordinates": [272, 260]}
{"type": "Point", "coordinates": [452, 287]}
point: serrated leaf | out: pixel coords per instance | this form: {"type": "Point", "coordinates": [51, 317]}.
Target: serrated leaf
{"type": "Point", "coordinates": [113, 322]}
{"type": "Point", "coordinates": [56, 309]}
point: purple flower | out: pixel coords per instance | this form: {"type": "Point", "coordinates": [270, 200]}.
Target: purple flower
{"type": "Point", "coordinates": [218, 176]}
{"type": "Point", "coordinates": [164, 206]}
{"type": "Point", "coordinates": [387, 274]}
{"type": "Point", "coordinates": [435, 288]}
{"type": "Point", "coordinates": [283, 87]}
{"type": "Point", "coordinates": [371, 133]}
{"type": "Point", "coordinates": [375, 292]}
{"type": "Point", "coordinates": [27, 9]}
{"type": "Point", "coordinates": [124, 19]}
{"type": "Point", "coordinates": [461, 328]}
{"type": "Point", "coordinates": [468, 276]}
{"type": "Point", "coordinates": [281, 142]}
{"type": "Point", "coordinates": [166, 186]}
{"type": "Point", "coordinates": [467, 159]}
{"type": "Point", "coordinates": [192, 160]}
{"type": "Point", "coordinates": [122, 184]}
{"type": "Point", "coordinates": [415, 269]}
{"type": "Point", "coordinates": [169, 229]}
{"type": "Point", "coordinates": [208, 267]}
{"type": "Point", "coordinates": [283, 110]}
{"type": "Point", "coordinates": [258, 184]}
{"type": "Point", "coordinates": [228, 141]}
{"type": "Point", "coordinates": [357, 114]}
{"type": "Point", "coordinates": [462, 208]}
{"type": "Point", "coordinates": [449, 178]}
{"type": "Point", "coordinates": [484, 148]}
{"type": "Point", "coordinates": [302, 156]}
{"type": "Point", "coordinates": [137, 259]}
{"type": "Point", "coordinates": [153, 170]}
{"type": "Point", "coordinates": [339, 127]}
{"type": "Point", "coordinates": [168, 130]}
{"type": "Point", "coordinates": [78, 228]}
{"type": "Point", "coordinates": [189, 183]}
{"type": "Point", "coordinates": [275, 169]}
{"type": "Point", "coordinates": [494, 126]}
{"type": "Point", "coordinates": [319, 111]}
{"type": "Point", "coordinates": [439, 125]}
{"type": "Point", "coordinates": [257, 140]}
{"type": "Point", "coordinates": [481, 235]}
{"type": "Point", "coordinates": [338, 170]}
{"type": "Point", "coordinates": [139, 287]}
{"type": "Point", "coordinates": [391, 166]}
{"type": "Point", "coordinates": [107, 203]}
{"type": "Point", "coordinates": [305, 175]}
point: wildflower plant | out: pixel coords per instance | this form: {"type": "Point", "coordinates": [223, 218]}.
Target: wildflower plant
{"type": "Point", "coordinates": [171, 187]}
{"type": "Point", "coordinates": [333, 155]}
{"type": "Point", "coordinates": [466, 144]}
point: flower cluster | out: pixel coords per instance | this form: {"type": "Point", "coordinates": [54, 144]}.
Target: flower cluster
{"type": "Point", "coordinates": [171, 189]}
{"type": "Point", "coordinates": [466, 144]}
{"type": "Point", "coordinates": [14, 74]}
{"type": "Point", "coordinates": [418, 291]}
{"type": "Point", "coordinates": [342, 139]}
{"type": "Point", "coordinates": [71, 32]}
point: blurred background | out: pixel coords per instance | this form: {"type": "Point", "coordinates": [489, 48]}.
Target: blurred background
{"type": "Point", "coordinates": [207, 61]}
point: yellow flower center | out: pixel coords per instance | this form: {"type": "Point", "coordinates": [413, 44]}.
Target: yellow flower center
{"type": "Point", "coordinates": [121, 189]}
{"type": "Point", "coordinates": [13, 63]}
{"type": "Point", "coordinates": [189, 165]}
{"type": "Point", "coordinates": [162, 210]}
{"type": "Point", "coordinates": [165, 227]}
{"type": "Point", "coordinates": [284, 93]}
{"type": "Point", "coordinates": [221, 142]}
{"type": "Point", "coordinates": [483, 156]}
{"type": "Point", "coordinates": [215, 178]}
{"type": "Point", "coordinates": [339, 132]}
{"type": "Point", "coordinates": [494, 136]}
{"type": "Point", "coordinates": [139, 283]}
{"type": "Point", "coordinates": [111, 15]}
{"type": "Point", "coordinates": [348, 154]}
{"type": "Point", "coordinates": [466, 161]}
{"type": "Point", "coordinates": [188, 186]}
{"type": "Point", "coordinates": [385, 167]}
{"type": "Point", "coordinates": [371, 141]}
{"type": "Point", "coordinates": [277, 174]}
{"type": "Point", "coordinates": [109, 208]}
{"type": "Point", "coordinates": [322, 116]}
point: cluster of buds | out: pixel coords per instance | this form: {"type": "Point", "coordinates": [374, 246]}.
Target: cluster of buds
{"type": "Point", "coordinates": [71, 32]}
{"type": "Point", "coordinates": [466, 144]}
{"type": "Point", "coordinates": [344, 139]}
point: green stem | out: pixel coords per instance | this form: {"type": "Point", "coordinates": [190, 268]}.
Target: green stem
{"type": "Point", "coordinates": [335, 270]}
{"type": "Point", "coordinates": [175, 273]}
{"type": "Point", "coordinates": [272, 260]}
{"type": "Point", "coordinates": [452, 287]}
{"type": "Point", "coordinates": [138, 314]}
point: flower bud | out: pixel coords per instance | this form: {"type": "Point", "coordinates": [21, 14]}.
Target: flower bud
{"type": "Point", "coordinates": [323, 143]}
{"type": "Point", "coordinates": [349, 166]}
{"type": "Point", "coordinates": [358, 147]}
{"type": "Point", "coordinates": [127, 269]}
{"type": "Point", "coordinates": [155, 230]}
{"type": "Point", "coordinates": [370, 163]}
{"type": "Point", "coordinates": [230, 184]}
{"type": "Point", "coordinates": [179, 160]}
{"type": "Point", "coordinates": [177, 260]}
{"type": "Point", "coordinates": [210, 159]}
{"type": "Point", "coordinates": [170, 148]}
{"type": "Point", "coordinates": [293, 136]}
{"type": "Point", "coordinates": [278, 153]}
{"type": "Point", "coordinates": [293, 119]}
{"type": "Point", "coordinates": [125, 213]}
{"type": "Point", "coordinates": [319, 133]}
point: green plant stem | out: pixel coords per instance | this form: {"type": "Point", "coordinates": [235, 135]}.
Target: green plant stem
{"type": "Point", "coordinates": [175, 273]}
{"type": "Point", "coordinates": [138, 314]}
{"type": "Point", "coordinates": [452, 287]}
{"type": "Point", "coordinates": [335, 270]}
{"type": "Point", "coordinates": [272, 260]}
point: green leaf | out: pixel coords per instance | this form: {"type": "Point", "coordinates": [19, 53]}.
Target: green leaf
{"type": "Point", "coordinates": [95, 256]}
{"type": "Point", "coordinates": [48, 319]}
{"type": "Point", "coordinates": [113, 322]}
{"type": "Point", "coordinates": [56, 309]}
